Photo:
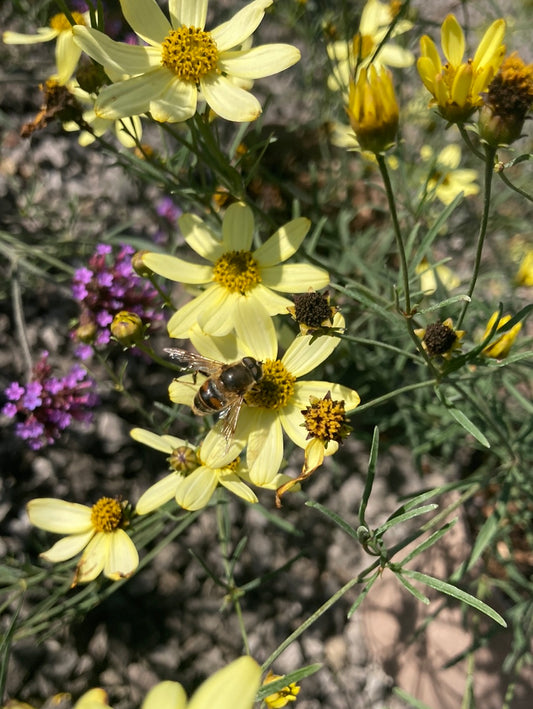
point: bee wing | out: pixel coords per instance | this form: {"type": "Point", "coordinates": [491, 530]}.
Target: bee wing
{"type": "Point", "coordinates": [194, 361]}
{"type": "Point", "coordinates": [228, 419]}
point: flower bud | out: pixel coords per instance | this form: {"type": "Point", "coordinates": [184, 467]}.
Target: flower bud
{"type": "Point", "coordinates": [139, 266]}
{"type": "Point", "coordinates": [128, 328]}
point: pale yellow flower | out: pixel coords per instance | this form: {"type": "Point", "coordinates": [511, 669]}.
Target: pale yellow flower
{"type": "Point", "coordinates": [183, 59]}
{"type": "Point", "coordinates": [196, 474]}
{"type": "Point", "coordinates": [97, 531]}
{"type": "Point", "coordinates": [456, 86]}
{"type": "Point", "coordinates": [275, 404]}
{"type": "Point", "coordinates": [376, 19]}
{"type": "Point", "coordinates": [431, 276]}
{"type": "Point", "coordinates": [93, 699]}
{"type": "Point", "coordinates": [499, 347]}
{"type": "Point", "coordinates": [446, 180]}
{"type": "Point", "coordinates": [232, 687]}
{"type": "Point", "coordinates": [242, 286]}
{"type": "Point", "coordinates": [67, 51]}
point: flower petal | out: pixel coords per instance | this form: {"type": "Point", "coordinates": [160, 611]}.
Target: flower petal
{"type": "Point", "coordinates": [234, 484]}
{"type": "Point", "coordinates": [165, 444]}
{"type": "Point", "coordinates": [283, 243]}
{"type": "Point", "coordinates": [67, 56]}
{"type": "Point", "coordinates": [176, 269]}
{"type": "Point", "coordinates": [265, 445]}
{"type": "Point", "coordinates": [238, 228]}
{"type": "Point", "coordinates": [183, 392]}
{"type": "Point", "coordinates": [123, 58]}
{"type": "Point", "coordinates": [489, 48]}
{"type": "Point", "coordinates": [219, 319]}
{"type": "Point", "coordinates": [59, 516]}
{"type": "Point", "coordinates": [199, 309]}
{"type": "Point", "coordinates": [232, 687]}
{"type": "Point", "coordinates": [176, 103]}
{"type": "Point", "coordinates": [44, 34]}
{"type": "Point", "coordinates": [158, 494]}
{"type": "Point", "coordinates": [67, 547]}
{"type": "Point", "coordinates": [305, 389]}
{"type": "Point", "coordinates": [200, 238]}
{"type": "Point", "coordinates": [146, 19]}
{"type": "Point", "coordinates": [215, 451]}
{"type": "Point", "coordinates": [233, 32]}
{"type": "Point", "coordinates": [254, 327]}
{"type": "Point", "coordinates": [122, 558]}
{"type": "Point", "coordinates": [191, 13]}
{"type": "Point", "coordinates": [274, 304]}
{"type": "Point", "coordinates": [228, 100]}
{"type": "Point", "coordinates": [132, 96]}
{"type": "Point", "coordinates": [452, 41]}
{"type": "Point", "coordinates": [255, 63]}
{"type": "Point", "coordinates": [304, 353]}
{"type": "Point", "coordinates": [170, 695]}
{"type": "Point", "coordinates": [222, 349]}
{"type": "Point", "coordinates": [94, 558]}
{"type": "Point", "coordinates": [294, 277]}
{"type": "Point", "coordinates": [195, 491]}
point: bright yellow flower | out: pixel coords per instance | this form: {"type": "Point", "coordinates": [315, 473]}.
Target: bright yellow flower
{"type": "Point", "coordinates": [195, 474]}
{"type": "Point", "coordinates": [431, 276]}
{"type": "Point", "coordinates": [376, 19]}
{"type": "Point", "coordinates": [499, 348]}
{"type": "Point", "coordinates": [275, 404]}
{"type": "Point", "coordinates": [373, 110]}
{"type": "Point", "coordinates": [524, 277]}
{"type": "Point", "coordinates": [93, 699]}
{"type": "Point", "coordinates": [241, 283]}
{"type": "Point", "coordinates": [98, 530]}
{"type": "Point", "coordinates": [446, 180]}
{"type": "Point", "coordinates": [67, 51]}
{"type": "Point", "coordinates": [183, 59]}
{"type": "Point", "coordinates": [232, 687]}
{"type": "Point", "coordinates": [284, 696]}
{"type": "Point", "coordinates": [456, 86]}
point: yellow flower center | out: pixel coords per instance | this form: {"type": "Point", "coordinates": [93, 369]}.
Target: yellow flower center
{"type": "Point", "coordinates": [183, 460]}
{"type": "Point", "coordinates": [60, 22]}
{"type": "Point", "coordinates": [106, 514]}
{"type": "Point", "coordinates": [326, 419]}
{"type": "Point", "coordinates": [237, 271]}
{"type": "Point", "coordinates": [275, 388]}
{"type": "Point", "coordinates": [190, 53]}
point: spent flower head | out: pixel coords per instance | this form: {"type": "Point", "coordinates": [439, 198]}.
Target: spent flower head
{"type": "Point", "coordinates": [439, 339]}
{"type": "Point", "coordinates": [242, 287]}
{"type": "Point", "coordinates": [97, 531]}
{"type": "Point", "coordinates": [312, 311]}
{"type": "Point", "coordinates": [48, 405]}
{"type": "Point", "coordinates": [178, 60]}
{"type": "Point", "coordinates": [457, 85]}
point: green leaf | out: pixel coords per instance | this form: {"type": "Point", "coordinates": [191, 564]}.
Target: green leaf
{"type": "Point", "coordinates": [413, 701]}
{"type": "Point", "coordinates": [414, 591]}
{"type": "Point", "coordinates": [483, 539]}
{"type": "Point", "coordinates": [457, 593]}
{"type": "Point", "coordinates": [428, 542]}
{"type": "Point", "coordinates": [404, 517]}
{"type": "Point", "coordinates": [287, 679]}
{"type": "Point", "coordinates": [334, 517]}
{"type": "Point", "coordinates": [449, 301]}
{"type": "Point", "coordinates": [465, 422]}
{"type": "Point", "coordinates": [361, 597]}
{"type": "Point", "coordinates": [370, 476]}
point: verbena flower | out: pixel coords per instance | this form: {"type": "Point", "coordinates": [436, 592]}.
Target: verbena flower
{"type": "Point", "coordinates": [97, 531]}
{"type": "Point", "coordinates": [196, 474]}
{"type": "Point", "coordinates": [67, 51]}
{"type": "Point", "coordinates": [232, 687]}
{"type": "Point", "coordinates": [275, 404]}
{"type": "Point", "coordinates": [499, 348]}
{"type": "Point", "coordinates": [439, 339]}
{"type": "Point", "coordinates": [446, 180]}
{"type": "Point", "coordinates": [107, 286]}
{"type": "Point", "coordinates": [48, 405]}
{"type": "Point", "coordinates": [284, 696]}
{"type": "Point", "coordinates": [183, 59]}
{"type": "Point", "coordinates": [368, 45]}
{"type": "Point", "coordinates": [241, 284]}
{"type": "Point", "coordinates": [507, 102]}
{"type": "Point", "coordinates": [373, 110]}
{"type": "Point", "coordinates": [456, 86]}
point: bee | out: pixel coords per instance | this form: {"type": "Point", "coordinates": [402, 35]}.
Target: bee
{"type": "Point", "coordinates": [226, 386]}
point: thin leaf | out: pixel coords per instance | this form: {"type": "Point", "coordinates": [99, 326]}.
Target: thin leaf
{"type": "Point", "coordinates": [278, 684]}
{"type": "Point", "coordinates": [413, 701]}
{"type": "Point", "coordinates": [470, 427]}
{"type": "Point", "coordinates": [428, 542]}
{"type": "Point", "coordinates": [414, 591]}
{"type": "Point", "coordinates": [334, 517]}
{"type": "Point", "coordinates": [404, 517]}
{"type": "Point", "coordinates": [457, 593]}
{"type": "Point", "coordinates": [444, 303]}
{"type": "Point", "coordinates": [361, 597]}
{"type": "Point", "coordinates": [484, 537]}
{"type": "Point", "coordinates": [370, 476]}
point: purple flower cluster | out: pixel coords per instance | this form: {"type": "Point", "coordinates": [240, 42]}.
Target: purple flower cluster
{"type": "Point", "coordinates": [106, 287]}
{"type": "Point", "coordinates": [47, 405]}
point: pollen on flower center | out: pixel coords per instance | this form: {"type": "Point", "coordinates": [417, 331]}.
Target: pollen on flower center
{"type": "Point", "coordinates": [275, 388]}
{"type": "Point", "coordinates": [237, 271]}
{"type": "Point", "coordinates": [189, 52]}
{"type": "Point", "coordinates": [326, 419]}
{"type": "Point", "coordinates": [60, 22]}
{"type": "Point", "coordinates": [106, 514]}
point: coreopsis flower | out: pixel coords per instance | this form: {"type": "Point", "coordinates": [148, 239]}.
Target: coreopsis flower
{"type": "Point", "coordinates": [507, 102]}
{"type": "Point", "coordinates": [107, 286]}
{"type": "Point", "coordinates": [196, 473]}
{"type": "Point", "coordinates": [183, 59]}
{"type": "Point", "coordinates": [499, 348]}
{"type": "Point", "coordinates": [456, 86]}
{"type": "Point", "coordinates": [47, 405]}
{"type": "Point", "coordinates": [242, 286]}
{"type": "Point", "coordinates": [232, 687]}
{"type": "Point", "coordinates": [431, 276]}
{"type": "Point", "coordinates": [273, 405]}
{"type": "Point", "coordinates": [439, 339]}
{"type": "Point", "coordinates": [369, 45]}
{"type": "Point", "coordinates": [280, 699]}
{"type": "Point", "coordinates": [67, 51]}
{"type": "Point", "coordinates": [524, 277]}
{"type": "Point", "coordinates": [446, 180]}
{"type": "Point", "coordinates": [373, 109]}
{"type": "Point", "coordinates": [97, 531]}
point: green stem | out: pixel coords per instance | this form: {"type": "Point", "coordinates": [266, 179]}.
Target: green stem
{"type": "Point", "coordinates": [490, 152]}
{"type": "Point", "coordinates": [382, 399]}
